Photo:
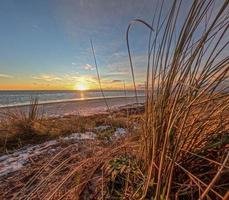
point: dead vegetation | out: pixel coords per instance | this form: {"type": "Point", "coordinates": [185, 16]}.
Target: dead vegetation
{"type": "Point", "coordinates": [179, 149]}
{"type": "Point", "coordinates": [22, 127]}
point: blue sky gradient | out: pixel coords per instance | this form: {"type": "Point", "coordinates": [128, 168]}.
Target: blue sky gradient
{"type": "Point", "coordinates": [51, 38]}
{"type": "Point", "coordinates": [45, 44]}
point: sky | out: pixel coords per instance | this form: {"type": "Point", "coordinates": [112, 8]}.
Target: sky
{"type": "Point", "coordinates": [45, 44]}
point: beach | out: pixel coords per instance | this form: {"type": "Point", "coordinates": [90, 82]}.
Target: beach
{"type": "Point", "coordinates": [104, 100]}
{"type": "Point", "coordinates": [76, 107]}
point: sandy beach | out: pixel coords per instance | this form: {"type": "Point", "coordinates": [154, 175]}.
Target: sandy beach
{"type": "Point", "coordinates": [77, 107]}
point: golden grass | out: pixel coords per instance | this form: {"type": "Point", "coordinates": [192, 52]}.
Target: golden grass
{"type": "Point", "coordinates": [21, 127]}
{"type": "Point", "coordinates": [179, 149]}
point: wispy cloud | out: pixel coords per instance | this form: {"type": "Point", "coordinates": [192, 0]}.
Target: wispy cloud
{"type": "Point", "coordinates": [53, 78]}
{"type": "Point", "coordinates": [46, 77]}
{"type": "Point", "coordinates": [70, 77]}
{"type": "Point", "coordinates": [121, 68]}
{"type": "Point", "coordinates": [88, 67]}
{"type": "Point", "coordinates": [36, 27]}
{"type": "Point", "coordinates": [5, 76]}
{"type": "Point", "coordinates": [115, 74]}
{"type": "Point", "coordinates": [116, 81]}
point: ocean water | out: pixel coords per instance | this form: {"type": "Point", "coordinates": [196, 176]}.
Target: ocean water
{"type": "Point", "coordinates": [14, 98]}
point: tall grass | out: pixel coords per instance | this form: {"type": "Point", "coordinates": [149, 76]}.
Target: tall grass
{"type": "Point", "coordinates": [98, 76]}
{"type": "Point", "coordinates": [180, 149]}
{"type": "Point", "coordinates": [187, 103]}
{"type": "Point", "coordinates": [23, 120]}
{"type": "Point", "coordinates": [20, 125]}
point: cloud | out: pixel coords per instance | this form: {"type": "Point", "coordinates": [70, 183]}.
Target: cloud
{"type": "Point", "coordinates": [113, 74]}
{"type": "Point", "coordinates": [88, 67]}
{"type": "Point", "coordinates": [35, 27]}
{"type": "Point", "coordinates": [73, 63]}
{"type": "Point", "coordinates": [5, 76]}
{"type": "Point", "coordinates": [46, 77]}
{"type": "Point", "coordinates": [116, 81]}
{"type": "Point", "coordinates": [54, 78]}
{"type": "Point", "coordinates": [70, 77]}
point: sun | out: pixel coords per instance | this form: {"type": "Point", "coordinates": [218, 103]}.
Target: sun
{"type": "Point", "coordinates": [81, 87]}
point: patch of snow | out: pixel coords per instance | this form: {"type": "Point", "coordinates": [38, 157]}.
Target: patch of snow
{"type": "Point", "coordinates": [15, 161]}
{"type": "Point", "coordinates": [80, 136]}
{"type": "Point", "coordinates": [102, 127]}
{"type": "Point", "coordinates": [119, 132]}
{"type": "Point", "coordinates": [2, 158]}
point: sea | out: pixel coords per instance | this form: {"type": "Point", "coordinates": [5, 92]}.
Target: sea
{"type": "Point", "coordinates": [16, 98]}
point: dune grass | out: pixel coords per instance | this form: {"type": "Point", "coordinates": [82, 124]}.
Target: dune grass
{"type": "Point", "coordinates": [19, 127]}
{"type": "Point", "coordinates": [25, 126]}
{"type": "Point", "coordinates": [179, 149]}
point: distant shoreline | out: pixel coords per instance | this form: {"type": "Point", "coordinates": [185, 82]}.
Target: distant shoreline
{"type": "Point", "coordinates": [65, 90]}
{"type": "Point", "coordinates": [67, 101]}
{"type": "Point", "coordinates": [75, 107]}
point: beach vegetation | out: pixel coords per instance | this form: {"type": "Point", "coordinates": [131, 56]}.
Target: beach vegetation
{"type": "Point", "coordinates": [176, 149]}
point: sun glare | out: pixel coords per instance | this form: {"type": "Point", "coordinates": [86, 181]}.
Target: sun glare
{"type": "Point", "coordinates": [81, 87]}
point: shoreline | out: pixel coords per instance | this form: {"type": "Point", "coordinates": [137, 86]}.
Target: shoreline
{"type": "Point", "coordinates": [68, 101]}
{"type": "Point", "coordinates": [75, 107]}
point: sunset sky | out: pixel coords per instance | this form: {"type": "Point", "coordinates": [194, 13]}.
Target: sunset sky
{"type": "Point", "coordinates": [45, 44]}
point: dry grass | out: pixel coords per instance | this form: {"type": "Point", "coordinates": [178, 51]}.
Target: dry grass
{"type": "Point", "coordinates": [187, 110]}
{"type": "Point", "coordinates": [21, 127]}
{"type": "Point", "coordinates": [179, 150]}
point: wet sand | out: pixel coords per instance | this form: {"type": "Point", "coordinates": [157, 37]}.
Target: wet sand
{"type": "Point", "coordinates": [77, 107]}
